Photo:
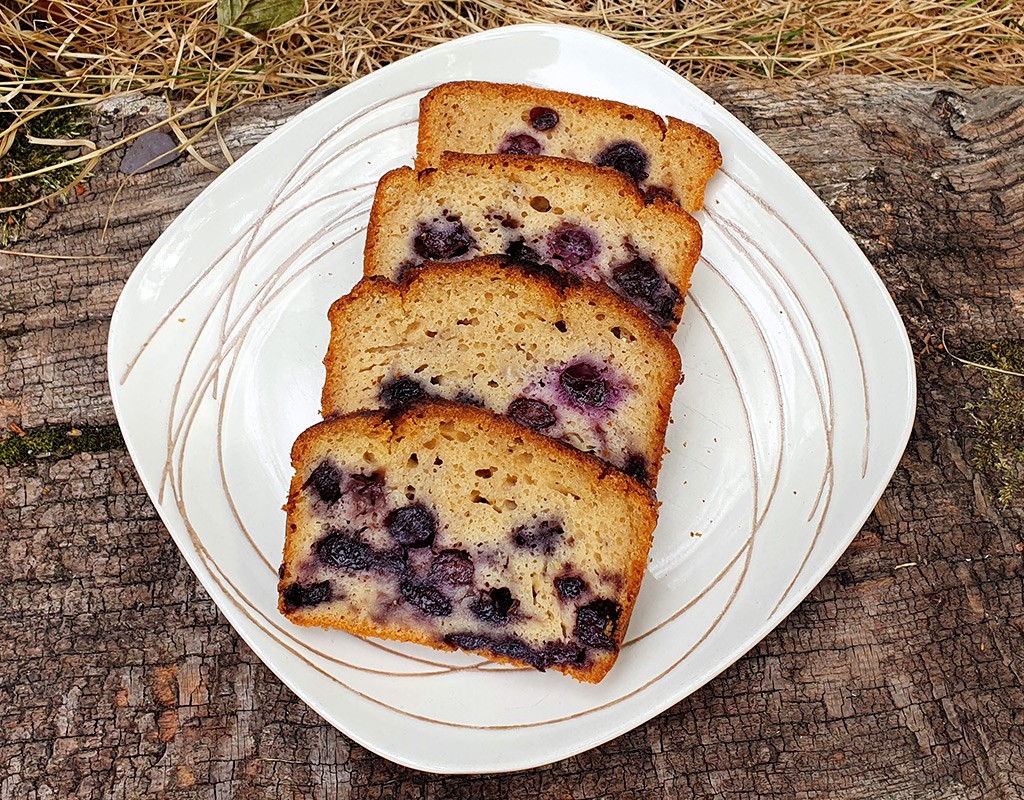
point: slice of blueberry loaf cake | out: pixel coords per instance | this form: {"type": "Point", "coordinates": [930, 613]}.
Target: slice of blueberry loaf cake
{"type": "Point", "coordinates": [673, 159]}
{"type": "Point", "coordinates": [449, 526]}
{"type": "Point", "coordinates": [562, 356]}
{"type": "Point", "coordinates": [582, 219]}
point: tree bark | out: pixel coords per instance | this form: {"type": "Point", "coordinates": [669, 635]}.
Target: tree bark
{"type": "Point", "coordinates": [900, 676]}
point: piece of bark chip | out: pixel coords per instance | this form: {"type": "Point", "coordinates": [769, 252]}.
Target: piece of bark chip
{"type": "Point", "coordinates": [149, 151]}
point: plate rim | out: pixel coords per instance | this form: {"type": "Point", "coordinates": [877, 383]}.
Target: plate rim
{"type": "Point", "coordinates": [800, 590]}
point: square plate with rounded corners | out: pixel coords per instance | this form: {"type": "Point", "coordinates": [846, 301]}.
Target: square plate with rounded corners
{"type": "Point", "coordinates": [797, 405]}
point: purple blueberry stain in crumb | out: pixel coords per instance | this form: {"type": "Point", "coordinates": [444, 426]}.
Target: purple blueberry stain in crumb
{"type": "Point", "coordinates": [453, 567]}
{"type": "Point", "coordinates": [394, 561]}
{"type": "Point", "coordinates": [652, 193]}
{"type": "Point", "coordinates": [468, 641]}
{"type": "Point", "coordinates": [640, 283]}
{"type": "Point", "coordinates": [300, 596]}
{"type": "Point", "coordinates": [398, 393]}
{"type": "Point", "coordinates": [557, 653]}
{"type": "Point", "coordinates": [343, 550]}
{"type": "Point", "coordinates": [527, 259]}
{"type": "Point", "coordinates": [543, 118]}
{"type": "Point", "coordinates": [569, 587]}
{"type": "Point", "coordinates": [511, 647]}
{"type": "Point", "coordinates": [507, 646]}
{"type": "Point", "coordinates": [596, 623]}
{"type": "Point", "coordinates": [519, 250]}
{"type": "Point", "coordinates": [543, 536]}
{"type": "Point", "coordinates": [325, 480]}
{"type": "Point", "coordinates": [551, 654]}
{"type": "Point", "coordinates": [468, 398]}
{"type": "Point", "coordinates": [534, 414]}
{"type": "Point", "coordinates": [443, 240]}
{"type": "Point", "coordinates": [412, 526]}
{"type": "Point", "coordinates": [571, 245]}
{"type": "Point", "coordinates": [496, 606]}
{"type": "Point", "coordinates": [636, 467]}
{"type": "Point", "coordinates": [427, 599]}
{"type": "Point", "coordinates": [367, 491]}
{"type": "Point", "coordinates": [520, 144]}
{"type": "Point", "coordinates": [346, 550]}
{"type": "Point", "coordinates": [402, 270]}
{"type": "Point", "coordinates": [628, 158]}
{"type": "Point", "coordinates": [584, 385]}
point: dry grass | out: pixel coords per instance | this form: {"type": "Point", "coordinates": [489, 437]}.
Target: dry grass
{"type": "Point", "coordinates": [75, 53]}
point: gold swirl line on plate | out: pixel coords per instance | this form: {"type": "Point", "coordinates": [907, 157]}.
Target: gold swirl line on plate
{"type": "Point", "coordinates": [177, 478]}
{"type": "Point", "coordinates": [194, 400]}
{"type": "Point", "coordinates": [174, 307]}
{"type": "Point", "coordinates": [250, 250]}
{"type": "Point", "coordinates": [281, 197]}
{"type": "Point", "coordinates": [826, 405]}
{"type": "Point", "coordinates": [238, 334]}
{"type": "Point", "coordinates": [339, 129]}
{"type": "Point", "coordinates": [814, 541]}
{"type": "Point", "coordinates": [758, 516]}
{"type": "Point", "coordinates": [776, 385]}
{"type": "Point", "coordinates": [215, 568]}
{"type": "Point", "coordinates": [239, 330]}
{"type": "Point", "coordinates": [738, 237]}
{"type": "Point", "coordinates": [193, 284]}
{"type": "Point", "coordinates": [236, 345]}
{"type": "Point", "coordinates": [767, 208]}
{"type": "Point", "coordinates": [206, 555]}
{"type": "Point", "coordinates": [827, 484]}
{"type": "Point", "coordinates": [252, 607]}
{"type": "Point", "coordinates": [350, 214]}
{"type": "Point", "coordinates": [253, 246]}
{"type": "Point", "coordinates": [179, 434]}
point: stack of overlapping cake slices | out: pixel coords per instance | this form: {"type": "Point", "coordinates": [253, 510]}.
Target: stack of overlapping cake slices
{"type": "Point", "coordinates": [499, 383]}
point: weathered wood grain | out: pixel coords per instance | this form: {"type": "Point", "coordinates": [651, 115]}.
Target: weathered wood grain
{"type": "Point", "coordinates": [119, 678]}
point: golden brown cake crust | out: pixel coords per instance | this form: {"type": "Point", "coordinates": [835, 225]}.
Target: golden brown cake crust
{"type": "Point", "coordinates": [494, 332]}
{"type": "Point", "coordinates": [537, 196]}
{"type": "Point", "coordinates": [442, 426]}
{"type": "Point", "coordinates": [474, 116]}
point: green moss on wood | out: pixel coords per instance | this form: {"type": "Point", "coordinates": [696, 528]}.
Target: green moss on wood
{"type": "Point", "coordinates": [998, 419]}
{"type": "Point", "coordinates": [24, 157]}
{"type": "Point", "coordinates": [58, 441]}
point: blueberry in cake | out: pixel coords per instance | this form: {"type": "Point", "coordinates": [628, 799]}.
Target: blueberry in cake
{"type": "Point", "coordinates": [445, 525]}
{"type": "Point", "coordinates": [669, 158]}
{"type": "Point", "coordinates": [577, 218]}
{"type": "Point", "coordinates": [562, 356]}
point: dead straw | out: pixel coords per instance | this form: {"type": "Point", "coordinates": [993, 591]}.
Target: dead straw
{"type": "Point", "coordinates": [74, 53]}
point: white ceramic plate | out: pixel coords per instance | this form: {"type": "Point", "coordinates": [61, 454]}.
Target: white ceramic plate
{"type": "Point", "coordinates": [797, 405]}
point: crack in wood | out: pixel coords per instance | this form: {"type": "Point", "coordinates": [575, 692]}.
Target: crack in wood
{"type": "Point", "coordinates": [119, 678]}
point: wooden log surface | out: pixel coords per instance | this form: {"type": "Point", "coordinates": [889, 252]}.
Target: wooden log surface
{"type": "Point", "coordinates": [119, 677]}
